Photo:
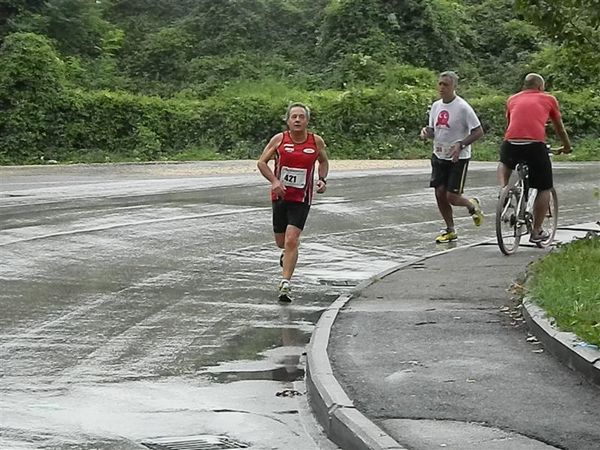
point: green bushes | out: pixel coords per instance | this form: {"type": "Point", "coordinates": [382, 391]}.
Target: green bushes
{"type": "Point", "coordinates": [31, 92]}
{"type": "Point", "coordinates": [361, 123]}
{"type": "Point", "coordinates": [490, 109]}
{"type": "Point", "coordinates": [43, 116]}
{"type": "Point", "coordinates": [370, 123]}
{"type": "Point", "coordinates": [581, 112]}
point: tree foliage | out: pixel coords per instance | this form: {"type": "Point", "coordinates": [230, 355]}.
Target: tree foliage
{"type": "Point", "coordinates": [29, 67]}
{"type": "Point", "coordinates": [574, 21]}
{"type": "Point", "coordinates": [77, 27]}
{"type": "Point", "coordinates": [31, 90]}
{"type": "Point", "coordinates": [151, 79]}
{"type": "Point", "coordinates": [418, 32]}
{"type": "Point", "coordinates": [574, 26]}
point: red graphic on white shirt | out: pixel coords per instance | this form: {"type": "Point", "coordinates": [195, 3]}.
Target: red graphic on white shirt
{"type": "Point", "coordinates": [442, 119]}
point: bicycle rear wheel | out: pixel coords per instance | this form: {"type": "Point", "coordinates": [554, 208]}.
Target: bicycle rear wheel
{"type": "Point", "coordinates": [508, 228]}
{"type": "Point", "coordinates": [550, 220]}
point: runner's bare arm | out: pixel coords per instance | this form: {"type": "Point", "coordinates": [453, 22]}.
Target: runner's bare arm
{"type": "Point", "coordinates": [267, 155]}
{"type": "Point", "coordinates": [476, 133]}
{"type": "Point", "coordinates": [263, 164]}
{"type": "Point", "coordinates": [323, 165]}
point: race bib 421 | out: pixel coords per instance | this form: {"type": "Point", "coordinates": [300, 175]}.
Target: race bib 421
{"type": "Point", "coordinates": [293, 177]}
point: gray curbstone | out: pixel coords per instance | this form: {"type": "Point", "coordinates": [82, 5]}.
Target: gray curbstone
{"type": "Point", "coordinates": [355, 432]}
{"type": "Point", "coordinates": [335, 411]}
{"type": "Point", "coordinates": [561, 344]}
{"type": "Point", "coordinates": [342, 422]}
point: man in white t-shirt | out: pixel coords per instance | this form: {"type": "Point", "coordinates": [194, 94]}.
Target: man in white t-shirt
{"type": "Point", "coordinates": [454, 126]}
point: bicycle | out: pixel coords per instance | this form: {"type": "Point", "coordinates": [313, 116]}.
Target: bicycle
{"type": "Point", "coordinates": [514, 212]}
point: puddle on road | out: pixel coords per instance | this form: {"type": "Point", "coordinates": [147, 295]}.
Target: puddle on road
{"type": "Point", "coordinates": [284, 363]}
{"type": "Point", "coordinates": [239, 398]}
{"type": "Point", "coordinates": [294, 373]}
{"type": "Point", "coordinates": [342, 268]}
{"type": "Point", "coordinates": [105, 416]}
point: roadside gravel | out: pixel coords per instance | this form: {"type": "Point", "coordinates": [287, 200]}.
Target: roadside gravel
{"type": "Point", "coordinates": [198, 168]}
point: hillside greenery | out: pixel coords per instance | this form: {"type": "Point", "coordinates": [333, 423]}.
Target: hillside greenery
{"type": "Point", "coordinates": [123, 80]}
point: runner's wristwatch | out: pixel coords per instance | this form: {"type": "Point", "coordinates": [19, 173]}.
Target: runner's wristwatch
{"type": "Point", "coordinates": [323, 180]}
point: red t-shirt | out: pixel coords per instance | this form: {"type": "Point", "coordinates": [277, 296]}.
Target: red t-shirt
{"type": "Point", "coordinates": [295, 167]}
{"type": "Point", "coordinates": [528, 112]}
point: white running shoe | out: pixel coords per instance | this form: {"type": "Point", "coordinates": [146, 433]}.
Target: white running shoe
{"type": "Point", "coordinates": [284, 291]}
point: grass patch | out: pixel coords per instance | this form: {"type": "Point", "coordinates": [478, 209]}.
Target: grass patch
{"type": "Point", "coordinates": [565, 284]}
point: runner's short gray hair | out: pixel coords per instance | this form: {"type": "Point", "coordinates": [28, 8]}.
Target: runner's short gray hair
{"type": "Point", "coordinates": [452, 75]}
{"type": "Point", "coordinates": [297, 105]}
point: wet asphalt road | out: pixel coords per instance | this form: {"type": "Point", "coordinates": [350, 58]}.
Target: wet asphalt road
{"type": "Point", "coordinates": [138, 302]}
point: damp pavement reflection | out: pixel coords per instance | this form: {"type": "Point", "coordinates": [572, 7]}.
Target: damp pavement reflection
{"type": "Point", "coordinates": [135, 310]}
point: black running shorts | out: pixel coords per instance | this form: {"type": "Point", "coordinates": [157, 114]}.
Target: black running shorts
{"type": "Point", "coordinates": [450, 174]}
{"type": "Point", "coordinates": [289, 213]}
{"type": "Point", "coordinates": [535, 154]}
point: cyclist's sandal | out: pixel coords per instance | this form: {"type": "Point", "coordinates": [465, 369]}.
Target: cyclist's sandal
{"type": "Point", "coordinates": [536, 238]}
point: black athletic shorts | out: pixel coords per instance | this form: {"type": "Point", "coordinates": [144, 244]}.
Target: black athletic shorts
{"type": "Point", "coordinates": [289, 213]}
{"type": "Point", "coordinates": [450, 174]}
{"type": "Point", "coordinates": [535, 154]}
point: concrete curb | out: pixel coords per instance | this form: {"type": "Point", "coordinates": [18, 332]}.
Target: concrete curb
{"type": "Point", "coordinates": [343, 423]}
{"type": "Point", "coordinates": [565, 346]}
{"type": "Point", "coordinates": [349, 428]}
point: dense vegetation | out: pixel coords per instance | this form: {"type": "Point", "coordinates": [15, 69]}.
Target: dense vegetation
{"type": "Point", "coordinates": [109, 80]}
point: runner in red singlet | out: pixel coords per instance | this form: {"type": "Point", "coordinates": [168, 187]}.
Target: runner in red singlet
{"type": "Point", "coordinates": [295, 152]}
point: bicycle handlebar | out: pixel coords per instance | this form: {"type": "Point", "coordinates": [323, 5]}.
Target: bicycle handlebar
{"type": "Point", "coordinates": [558, 150]}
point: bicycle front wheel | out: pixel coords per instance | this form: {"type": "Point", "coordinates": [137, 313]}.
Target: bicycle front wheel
{"type": "Point", "coordinates": [508, 227]}
{"type": "Point", "coordinates": [550, 220]}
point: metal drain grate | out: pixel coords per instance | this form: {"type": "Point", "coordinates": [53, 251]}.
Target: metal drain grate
{"type": "Point", "coordinates": [201, 442]}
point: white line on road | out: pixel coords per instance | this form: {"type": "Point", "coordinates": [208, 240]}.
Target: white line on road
{"type": "Point", "coordinates": [134, 223]}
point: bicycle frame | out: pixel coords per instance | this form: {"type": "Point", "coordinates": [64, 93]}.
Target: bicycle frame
{"type": "Point", "coordinates": [514, 212]}
{"type": "Point", "coordinates": [526, 198]}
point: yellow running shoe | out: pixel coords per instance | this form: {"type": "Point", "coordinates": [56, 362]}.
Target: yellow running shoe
{"type": "Point", "coordinates": [477, 214]}
{"type": "Point", "coordinates": [446, 236]}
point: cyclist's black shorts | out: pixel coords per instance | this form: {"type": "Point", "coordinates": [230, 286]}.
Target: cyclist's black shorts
{"type": "Point", "coordinates": [450, 174]}
{"type": "Point", "coordinates": [289, 213]}
{"type": "Point", "coordinates": [535, 154]}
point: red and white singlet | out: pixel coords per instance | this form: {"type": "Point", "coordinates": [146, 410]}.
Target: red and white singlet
{"type": "Point", "coordinates": [295, 167]}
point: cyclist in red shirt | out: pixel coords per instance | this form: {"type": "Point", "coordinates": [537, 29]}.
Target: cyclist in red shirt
{"type": "Point", "coordinates": [527, 113]}
{"type": "Point", "coordinates": [295, 152]}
